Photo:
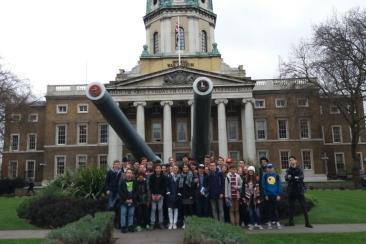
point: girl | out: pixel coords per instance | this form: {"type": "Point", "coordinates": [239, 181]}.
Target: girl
{"type": "Point", "coordinates": [174, 197]}
{"type": "Point", "coordinates": [157, 184]}
{"type": "Point", "coordinates": [185, 183]}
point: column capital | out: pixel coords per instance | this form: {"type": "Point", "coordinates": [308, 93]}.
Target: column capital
{"type": "Point", "coordinates": [224, 101]}
{"type": "Point", "coordinates": [163, 103]}
{"type": "Point", "coordinates": [139, 103]}
{"type": "Point", "coordinates": [190, 102]}
{"type": "Point", "coordinates": [248, 100]}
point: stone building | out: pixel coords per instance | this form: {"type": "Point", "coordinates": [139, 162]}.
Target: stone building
{"type": "Point", "coordinates": [250, 118]}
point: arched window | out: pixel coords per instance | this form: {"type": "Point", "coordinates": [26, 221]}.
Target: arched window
{"type": "Point", "coordinates": [179, 39]}
{"type": "Point", "coordinates": [204, 41]}
{"type": "Point", "coordinates": [156, 42]}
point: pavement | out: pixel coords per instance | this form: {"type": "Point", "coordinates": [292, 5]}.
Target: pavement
{"type": "Point", "coordinates": [176, 236]}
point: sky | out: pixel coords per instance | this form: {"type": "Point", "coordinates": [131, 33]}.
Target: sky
{"type": "Point", "coordinates": [51, 42]}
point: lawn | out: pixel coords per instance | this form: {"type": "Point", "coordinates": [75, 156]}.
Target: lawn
{"type": "Point", "coordinates": [25, 241]}
{"type": "Point", "coordinates": [8, 216]}
{"type": "Point", "coordinates": [349, 238]}
{"type": "Point", "coordinates": [337, 207]}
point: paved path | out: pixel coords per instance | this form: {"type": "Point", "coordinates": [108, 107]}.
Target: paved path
{"type": "Point", "coordinates": [176, 236]}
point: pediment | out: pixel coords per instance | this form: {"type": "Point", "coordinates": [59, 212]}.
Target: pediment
{"type": "Point", "coordinates": [178, 77]}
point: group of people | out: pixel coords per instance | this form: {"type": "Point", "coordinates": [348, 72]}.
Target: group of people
{"type": "Point", "coordinates": [162, 195]}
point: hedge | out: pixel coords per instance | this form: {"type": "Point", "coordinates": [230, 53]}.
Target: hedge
{"type": "Point", "coordinates": [210, 231]}
{"type": "Point", "coordinates": [87, 230]}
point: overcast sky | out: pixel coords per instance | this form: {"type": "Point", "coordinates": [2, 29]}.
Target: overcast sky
{"type": "Point", "coordinates": [53, 41]}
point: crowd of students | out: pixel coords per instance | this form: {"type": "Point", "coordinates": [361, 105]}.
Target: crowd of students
{"type": "Point", "coordinates": [147, 196]}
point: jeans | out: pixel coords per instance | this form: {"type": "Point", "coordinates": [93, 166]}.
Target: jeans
{"type": "Point", "coordinates": [272, 209]}
{"type": "Point", "coordinates": [112, 197]}
{"type": "Point", "coordinates": [254, 214]}
{"type": "Point", "coordinates": [127, 212]}
{"type": "Point", "coordinates": [217, 204]}
{"type": "Point", "coordinates": [202, 206]}
{"type": "Point", "coordinates": [159, 206]}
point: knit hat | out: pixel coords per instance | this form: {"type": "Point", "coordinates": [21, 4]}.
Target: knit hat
{"type": "Point", "coordinates": [270, 165]}
{"type": "Point", "coordinates": [251, 168]}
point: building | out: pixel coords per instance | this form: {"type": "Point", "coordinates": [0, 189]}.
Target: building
{"type": "Point", "coordinates": [250, 118]}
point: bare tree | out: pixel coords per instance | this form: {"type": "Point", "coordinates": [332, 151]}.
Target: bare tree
{"type": "Point", "coordinates": [336, 56]}
{"type": "Point", "coordinates": [14, 95]}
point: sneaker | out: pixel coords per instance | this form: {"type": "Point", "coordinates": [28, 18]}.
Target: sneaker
{"type": "Point", "coordinates": [170, 227]}
{"type": "Point", "coordinates": [278, 225]}
{"type": "Point", "coordinates": [183, 227]}
{"type": "Point", "coordinates": [242, 225]}
{"type": "Point", "coordinates": [250, 227]}
{"type": "Point", "coordinates": [308, 226]}
{"type": "Point", "coordinates": [148, 227]}
{"type": "Point", "coordinates": [138, 229]}
{"type": "Point", "coordinates": [260, 227]}
{"type": "Point", "coordinates": [269, 226]}
{"type": "Point", "coordinates": [174, 226]}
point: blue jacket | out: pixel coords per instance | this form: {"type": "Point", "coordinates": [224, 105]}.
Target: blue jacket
{"type": "Point", "coordinates": [271, 184]}
{"type": "Point", "coordinates": [216, 184]}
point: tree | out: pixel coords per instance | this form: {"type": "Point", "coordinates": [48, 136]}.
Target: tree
{"type": "Point", "coordinates": [334, 60]}
{"type": "Point", "coordinates": [14, 95]}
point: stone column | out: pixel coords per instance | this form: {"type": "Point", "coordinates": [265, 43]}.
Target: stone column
{"type": "Point", "coordinates": [191, 105]}
{"type": "Point", "coordinates": [114, 146]}
{"type": "Point", "coordinates": [221, 116]}
{"type": "Point", "coordinates": [243, 133]}
{"type": "Point", "coordinates": [249, 130]}
{"type": "Point", "coordinates": [167, 134]}
{"type": "Point", "coordinates": [140, 118]}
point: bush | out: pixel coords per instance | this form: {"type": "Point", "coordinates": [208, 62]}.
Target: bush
{"type": "Point", "coordinates": [87, 230]}
{"type": "Point", "coordinates": [84, 182]}
{"type": "Point", "coordinates": [283, 206]}
{"type": "Point", "coordinates": [210, 231]}
{"type": "Point", "coordinates": [8, 186]}
{"type": "Point", "coordinates": [52, 210]}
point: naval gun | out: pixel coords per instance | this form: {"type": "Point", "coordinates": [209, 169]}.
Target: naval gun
{"type": "Point", "coordinates": [104, 102]}
{"type": "Point", "coordinates": [202, 89]}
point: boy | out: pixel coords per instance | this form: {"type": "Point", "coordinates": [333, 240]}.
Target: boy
{"type": "Point", "coordinates": [127, 195]}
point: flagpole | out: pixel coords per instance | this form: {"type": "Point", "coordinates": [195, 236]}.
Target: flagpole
{"type": "Point", "coordinates": [178, 42]}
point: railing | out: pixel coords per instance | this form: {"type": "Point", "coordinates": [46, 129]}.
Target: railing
{"type": "Point", "coordinates": [66, 90]}
{"type": "Point", "coordinates": [277, 84]}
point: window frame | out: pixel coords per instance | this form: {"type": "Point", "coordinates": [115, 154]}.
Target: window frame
{"type": "Point", "coordinates": [77, 160]}
{"type": "Point", "coordinates": [235, 121]}
{"type": "Point", "coordinates": [57, 135]}
{"type": "Point", "coordinates": [306, 105]}
{"type": "Point", "coordinates": [27, 168]}
{"type": "Point", "coordinates": [340, 133]}
{"type": "Point", "coordinates": [278, 130]}
{"type": "Point", "coordinates": [265, 129]}
{"type": "Point", "coordinates": [99, 160]}
{"type": "Point", "coordinates": [56, 165]}
{"type": "Point", "coordinates": [35, 142]}
{"type": "Point", "coordinates": [58, 106]}
{"type": "Point", "coordinates": [260, 100]}
{"type": "Point", "coordinates": [11, 142]}
{"type": "Point", "coordinates": [308, 128]}
{"type": "Point", "coordinates": [280, 158]}
{"type": "Point", "coordinates": [11, 171]}
{"type": "Point", "coordinates": [35, 120]}
{"type": "Point", "coordinates": [280, 99]}
{"type": "Point", "coordinates": [100, 133]}
{"type": "Point", "coordinates": [311, 159]}
{"type": "Point", "coordinates": [82, 105]}
{"type": "Point", "coordinates": [185, 123]}
{"type": "Point", "coordinates": [335, 161]}
{"type": "Point", "coordinates": [12, 116]}
{"type": "Point", "coordinates": [152, 131]}
{"type": "Point", "coordinates": [86, 134]}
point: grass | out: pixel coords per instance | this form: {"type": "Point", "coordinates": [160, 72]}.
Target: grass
{"type": "Point", "coordinates": [339, 238]}
{"type": "Point", "coordinates": [21, 241]}
{"type": "Point", "coordinates": [8, 216]}
{"type": "Point", "coordinates": [337, 207]}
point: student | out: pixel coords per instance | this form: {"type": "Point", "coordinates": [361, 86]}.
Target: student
{"type": "Point", "coordinates": [174, 197]}
{"type": "Point", "coordinates": [251, 197]}
{"type": "Point", "coordinates": [157, 184]}
{"type": "Point", "coordinates": [295, 178]}
{"type": "Point", "coordinates": [216, 190]}
{"type": "Point", "coordinates": [233, 185]}
{"type": "Point", "coordinates": [201, 192]}
{"type": "Point", "coordinates": [142, 202]}
{"type": "Point", "coordinates": [186, 183]}
{"type": "Point", "coordinates": [112, 180]}
{"type": "Point", "coordinates": [271, 183]}
{"type": "Point", "coordinates": [127, 196]}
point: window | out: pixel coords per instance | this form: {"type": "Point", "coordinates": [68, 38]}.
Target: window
{"type": "Point", "coordinates": [260, 103]}
{"type": "Point", "coordinates": [14, 142]}
{"type": "Point", "coordinates": [179, 37]}
{"type": "Point", "coordinates": [304, 129]}
{"type": "Point", "coordinates": [204, 41]}
{"type": "Point", "coordinates": [103, 133]}
{"type": "Point", "coordinates": [83, 108]}
{"type": "Point", "coordinates": [234, 155]}
{"type": "Point", "coordinates": [282, 129]}
{"type": "Point", "coordinates": [284, 159]}
{"type": "Point", "coordinates": [30, 169]}
{"type": "Point", "coordinates": [262, 153]}
{"type": "Point", "coordinates": [334, 110]}
{"type": "Point", "coordinates": [302, 102]}
{"type": "Point", "coordinates": [156, 131]}
{"type": "Point", "coordinates": [13, 169]}
{"type": "Point", "coordinates": [103, 161]}
{"type": "Point", "coordinates": [32, 142]}
{"type": "Point", "coordinates": [339, 161]}
{"type": "Point", "coordinates": [81, 161]}
{"type": "Point", "coordinates": [33, 118]}
{"type": "Point", "coordinates": [306, 156]}
{"type": "Point", "coordinates": [61, 108]}
{"type": "Point", "coordinates": [337, 134]}
{"type": "Point", "coordinates": [61, 134]}
{"type": "Point", "coordinates": [261, 129]}
{"type": "Point", "coordinates": [156, 43]}
{"type": "Point", "coordinates": [360, 158]}
{"type": "Point", "coordinates": [281, 103]}
{"type": "Point", "coordinates": [82, 134]}
{"type": "Point", "coordinates": [181, 131]}
{"type": "Point", "coordinates": [16, 118]}
{"type": "Point", "coordinates": [60, 162]}
{"type": "Point", "coordinates": [232, 125]}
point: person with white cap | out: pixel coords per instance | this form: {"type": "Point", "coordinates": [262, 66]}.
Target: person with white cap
{"type": "Point", "coordinates": [251, 197]}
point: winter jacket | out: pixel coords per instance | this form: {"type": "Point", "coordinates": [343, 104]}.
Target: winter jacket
{"type": "Point", "coordinates": [271, 184]}
{"type": "Point", "coordinates": [295, 179]}
{"type": "Point", "coordinates": [143, 194]}
{"type": "Point", "coordinates": [238, 185]}
{"type": "Point", "coordinates": [251, 197]}
{"type": "Point", "coordinates": [128, 194]}
{"type": "Point", "coordinates": [201, 186]}
{"type": "Point", "coordinates": [112, 180]}
{"type": "Point", "coordinates": [157, 185]}
{"type": "Point", "coordinates": [186, 183]}
{"type": "Point", "coordinates": [216, 184]}
{"type": "Point", "coordinates": [173, 191]}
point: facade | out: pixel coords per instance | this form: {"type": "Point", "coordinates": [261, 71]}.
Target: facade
{"type": "Point", "coordinates": [249, 119]}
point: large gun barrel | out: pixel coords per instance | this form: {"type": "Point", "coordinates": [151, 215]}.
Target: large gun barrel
{"type": "Point", "coordinates": [202, 88]}
{"type": "Point", "coordinates": [97, 93]}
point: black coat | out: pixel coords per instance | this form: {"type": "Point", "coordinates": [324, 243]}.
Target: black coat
{"type": "Point", "coordinates": [157, 185]}
{"type": "Point", "coordinates": [295, 179]}
{"type": "Point", "coordinates": [112, 180]}
{"type": "Point", "coordinates": [174, 198]}
{"type": "Point", "coordinates": [124, 194]}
